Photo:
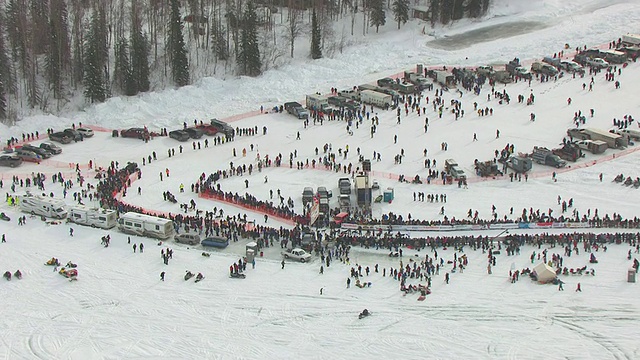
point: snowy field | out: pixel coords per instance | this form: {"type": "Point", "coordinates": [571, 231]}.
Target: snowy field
{"type": "Point", "coordinates": [119, 308]}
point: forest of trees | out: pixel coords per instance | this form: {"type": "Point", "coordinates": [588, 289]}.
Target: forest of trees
{"type": "Point", "coordinates": [54, 51]}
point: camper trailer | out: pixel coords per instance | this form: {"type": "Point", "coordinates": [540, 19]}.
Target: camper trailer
{"type": "Point", "coordinates": [375, 98]}
{"type": "Point", "coordinates": [145, 225]}
{"type": "Point", "coordinates": [43, 206]}
{"type": "Point", "coordinates": [94, 217]}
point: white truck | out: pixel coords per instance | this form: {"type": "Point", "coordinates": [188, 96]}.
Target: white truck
{"type": "Point", "coordinates": [375, 98]}
{"type": "Point", "coordinates": [94, 217]}
{"type": "Point", "coordinates": [145, 225]}
{"type": "Point", "coordinates": [297, 254]}
{"type": "Point", "coordinates": [593, 146]}
{"type": "Point", "coordinates": [317, 102]}
{"type": "Point", "coordinates": [43, 206]}
{"type": "Point", "coordinates": [631, 39]}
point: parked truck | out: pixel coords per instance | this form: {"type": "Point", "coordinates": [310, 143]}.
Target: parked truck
{"type": "Point", "coordinates": [375, 98]}
{"type": "Point", "coordinates": [519, 164]}
{"type": "Point", "coordinates": [544, 156]}
{"type": "Point", "coordinates": [569, 151]}
{"type": "Point", "coordinates": [344, 184]}
{"type": "Point", "coordinates": [487, 168]}
{"type": "Point", "coordinates": [614, 141]}
{"type": "Point", "coordinates": [593, 146]}
{"type": "Point", "coordinates": [631, 39]}
{"type": "Point", "coordinates": [452, 168]}
{"type": "Point", "coordinates": [363, 190]}
{"type": "Point", "coordinates": [296, 109]}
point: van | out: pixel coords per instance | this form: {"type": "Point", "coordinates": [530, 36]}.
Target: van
{"type": "Point", "coordinates": [187, 238]}
{"type": "Point", "coordinates": [43, 206]}
{"type": "Point", "coordinates": [27, 155]}
{"type": "Point", "coordinates": [94, 217]}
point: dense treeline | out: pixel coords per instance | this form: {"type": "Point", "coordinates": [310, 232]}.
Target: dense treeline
{"type": "Point", "coordinates": [52, 50]}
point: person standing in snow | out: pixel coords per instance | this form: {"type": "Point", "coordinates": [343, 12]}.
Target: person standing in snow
{"type": "Point", "coordinates": [282, 263]}
{"type": "Point", "coordinates": [135, 246]}
{"type": "Point", "coordinates": [162, 276]}
{"type": "Point", "coordinates": [71, 232]}
{"type": "Point", "coordinates": [578, 288]}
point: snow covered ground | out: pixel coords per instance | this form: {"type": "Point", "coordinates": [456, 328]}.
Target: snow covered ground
{"type": "Point", "coordinates": [119, 308]}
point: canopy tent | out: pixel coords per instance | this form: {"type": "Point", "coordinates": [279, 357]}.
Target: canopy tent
{"type": "Point", "coordinates": [544, 273]}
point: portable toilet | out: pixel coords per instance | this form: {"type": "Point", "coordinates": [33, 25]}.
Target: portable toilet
{"type": "Point", "coordinates": [388, 195]}
{"type": "Point", "coordinates": [251, 255]}
{"type": "Point", "coordinates": [253, 246]}
{"type": "Point", "coordinates": [631, 275]}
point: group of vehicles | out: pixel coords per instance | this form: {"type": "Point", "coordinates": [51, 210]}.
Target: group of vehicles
{"type": "Point", "coordinates": [214, 127]}
{"type": "Point", "coordinates": [29, 153]}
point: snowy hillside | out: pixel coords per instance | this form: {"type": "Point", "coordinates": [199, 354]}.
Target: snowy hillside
{"type": "Point", "coordinates": [120, 309]}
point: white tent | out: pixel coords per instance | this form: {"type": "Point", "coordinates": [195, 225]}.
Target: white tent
{"type": "Point", "coordinates": [544, 273]}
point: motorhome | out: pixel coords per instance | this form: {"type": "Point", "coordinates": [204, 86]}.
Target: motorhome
{"type": "Point", "coordinates": [317, 102]}
{"type": "Point", "coordinates": [94, 217]}
{"type": "Point", "coordinates": [376, 98]}
{"type": "Point", "coordinates": [145, 225]}
{"type": "Point", "coordinates": [43, 206]}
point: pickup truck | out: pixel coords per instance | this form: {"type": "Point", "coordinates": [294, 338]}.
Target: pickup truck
{"type": "Point", "coordinates": [60, 137]}
{"type": "Point", "coordinates": [296, 109]}
{"type": "Point", "coordinates": [297, 254]}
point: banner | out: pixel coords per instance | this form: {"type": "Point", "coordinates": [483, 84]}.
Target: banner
{"type": "Point", "coordinates": [464, 227]}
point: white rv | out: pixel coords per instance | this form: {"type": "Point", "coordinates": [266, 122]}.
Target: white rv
{"type": "Point", "coordinates": [376, 98]}
{"type": "Point", "coordinates": [43, 206]}
{"type": "Point", "coordinates": [94, 217]}
{"type": "Point", "coordinates": [145, 225]}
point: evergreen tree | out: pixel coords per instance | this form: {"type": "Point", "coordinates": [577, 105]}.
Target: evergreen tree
{"type": "Point", "coordinates": [475, 8]}
{"type": "Point", "coordinates": [221, 43]}
{"type": "Point", "coordinates": [434, 7]}
{"type": "Point", "coordinates": [446, 11]}
{"type": "Point", "coordinates": [378, 17]}
{"type": "Point", "coordinates": [401, 11]}
{"type": "Point", "coordinates": [58, 51]}
{"type": "Point", "coordinates": [7, 76]}
{"type": "Point", "coordinates": [94, 81]}
{"type": "Point", "coordinates": [316, 50]}
{"type": "Point", "coordinates": [249, 52]}
{"type": "Point", "coordinates": [3, 102]}
{"type": "Point", "coordinates": [177, 48]}
{"type": "Point", "coordinates": [123, 74]}
{"type": "Point", "coordinates": [140, 61]}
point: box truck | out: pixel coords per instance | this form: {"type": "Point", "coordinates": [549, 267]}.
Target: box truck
{"type": "Point", "coordinates": [376, 98]}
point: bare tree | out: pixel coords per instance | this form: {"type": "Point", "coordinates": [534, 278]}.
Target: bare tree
{"type": "Point", "coordinates": [295, 27]}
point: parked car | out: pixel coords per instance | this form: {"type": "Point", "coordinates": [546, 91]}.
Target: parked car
{"type": "Point", "coordinates": [386, 82]}
{"type": "Point", "coordinates": [29, 156]}
{"type": "Point", "coordinates": [597, 63]}
{"type": "Point", "coordinates": [215, 241]}
{"type": "Point", "coordinates": [73, 134]}
{"type": "Point", "coordinates": [571, 67]}
{"type": "Point", "coordinates": [522, 72]}
{"type": "Point", "coordinates": [323, 193]}
{"type": "Point", "coordinates": [38, 150]}
{"type": "Point", "coordinates": [10, 160]}
{"type": "Point", "coordinates": [179, 135]}
{"type": "Point", "coordinates": [307, 195]}
{"type": "Point", "coordinates": [187, 238]}
{"type": "Point", "coordinates": [60, 137]}
{"type": "Point", "coordinates": [194, 133]}
{"type": "Point", "coordinates": [136, 133]}
{"type": "Point", "coordinates": [51, 147]}
{"type": "Point", "coordinates": [208, 129]}
{"type": "Point", "coordinates": [223, 127]}
{"type": "Point", "coordinates": [85, 132]}
{"type": "Point", "coordinates": [485, 70]}
{"type": "Point", "coordinates": [297, 254]}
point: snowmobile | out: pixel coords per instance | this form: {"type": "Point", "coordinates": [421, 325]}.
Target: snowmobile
{"type": "Point", "coordinates": [4, 217]}
{"type": "Point", "coordinates": [416, 180]}
{"type": "Point", "coordinates": [636, 183]}
{"type": "Point", "coordinates": [71, 274]}
{"type": "Point", "coordinates": [7, 275]}
{"type": "Point", "coordinates": [619, 178]}
{"type": "Point", "coordinates": [53, 262]}
{"type": "Point", "coordinates": [199, 277]}
{"type": "Point", "coordinates": [628, 181]}
{"type": "Point", "coordinates": [394, 254]}
{"type": "Point", "coordinates": [18, 275]}
{"type": "Point", "coordinates": [71, 265]}
{"type": "Point", "coordinates": [364, 314]}
{"type": "Point", "coordinates": [188, 275]}
{"type": "Point", "coordinates": [237, 276]}
{"type": "Point", "coordinates": [206, 254]}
